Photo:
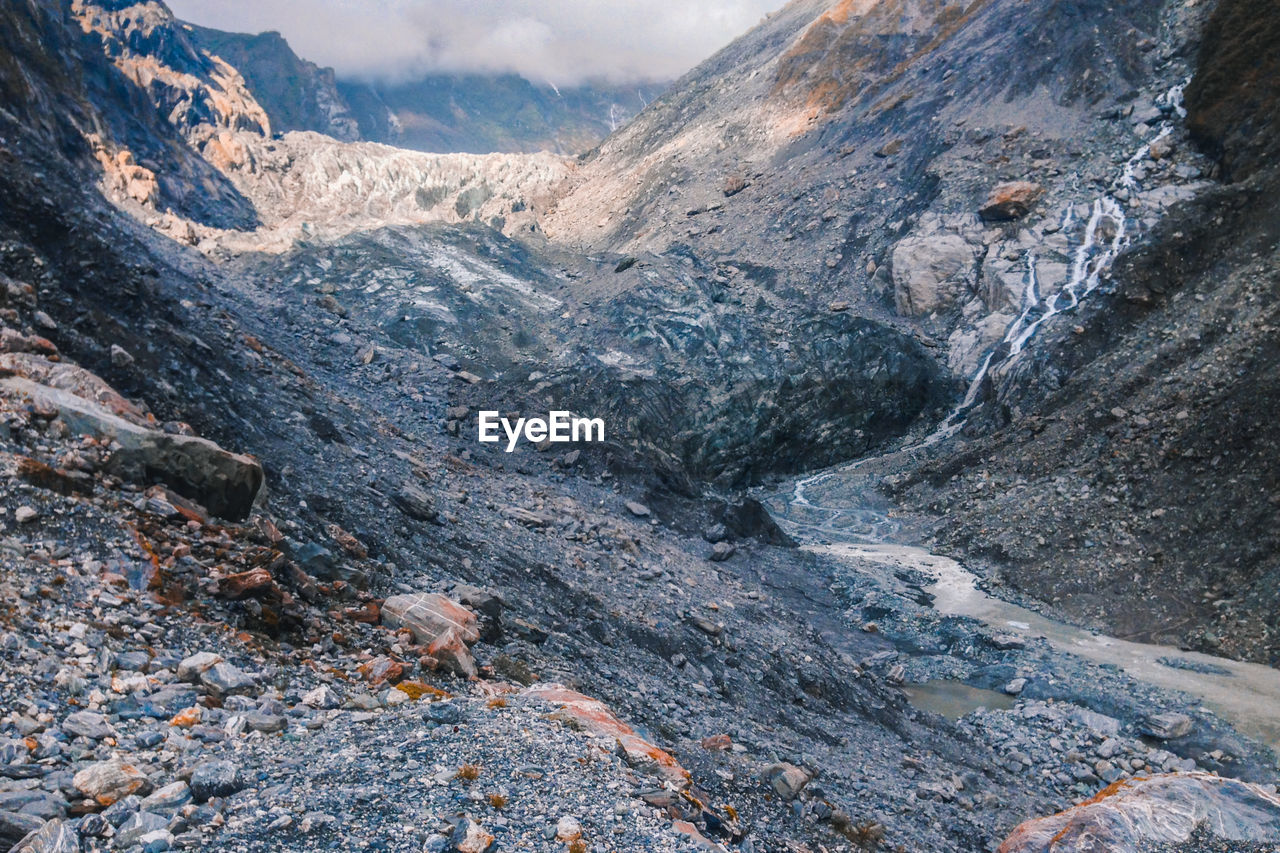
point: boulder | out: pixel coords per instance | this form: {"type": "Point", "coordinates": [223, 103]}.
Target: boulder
{"type": "Point", "coordinates": [1167, 726]}
{"type": "Point", "coordinates": [453, 654]}
{"type": "Point", "coordinates": [428, 615]}
{"type": "Point", "coordinates": [215, 779]}
{"type": "Point", "coordinates": [74, 379]}
{"type": "Point", "coordinates": [56, 836]}
{"type": "Point", "coordinates": [1011, 200]}
{"type": "Point", "coordinates": [108, 781]}
{"type": "Point", "coordinates": [223, 679]}
{"type": "Point", "coordinates": [415, 503]}
{"type": "Point", "coordinates": [931, 272]}
{"type": "Point", "coordinates": [87, 724]}
{"type": "Point", "coordinates": [1137, 814]}
{"type": "Point", "coordinates": [15, 826]}
{"type": "Point", "coordinates": [191, 668]}
{"type": "Point", "coordinates": [224, 483]}
{"type": "Point", "coordinates": [787, 780]}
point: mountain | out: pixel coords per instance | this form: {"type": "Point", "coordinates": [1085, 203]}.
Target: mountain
{"type": "Point", "coordinates": [441, 112]}
{"type": "Point", "coordinates": [295, 93]}
{"type": "Point", "coordinates": [483, 113]}
{"type": "Point", "coordinates": [996, 279]}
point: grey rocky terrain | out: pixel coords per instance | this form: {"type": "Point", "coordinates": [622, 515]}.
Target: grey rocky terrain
{"type": "Point", "coordinates": [264, 590]}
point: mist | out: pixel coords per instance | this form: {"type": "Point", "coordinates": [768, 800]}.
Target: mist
{"type": "Point", "coordinates": [563, 43]}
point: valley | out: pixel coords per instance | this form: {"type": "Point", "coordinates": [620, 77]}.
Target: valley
{"type": "Point", "coordinates": [934, 507]}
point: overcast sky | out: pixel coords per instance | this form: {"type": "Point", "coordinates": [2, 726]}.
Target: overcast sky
{"type": "Point", "coordinates": [560, 41]}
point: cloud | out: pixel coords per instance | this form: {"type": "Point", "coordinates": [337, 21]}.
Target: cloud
{"type": "Point", "coordinates": [560, 41]}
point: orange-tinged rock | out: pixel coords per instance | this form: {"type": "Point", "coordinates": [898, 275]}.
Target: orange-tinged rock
{"type": "Point", "coordinates": [1011, 200]}
{"type": "Point", "coordinates": [452, 652]}
{"type": "Point", "coordinates": [417, 689]}
{"type": "Point", "coordinates": [382, 670]}
{"type": "Point", "coordinates": [717, 743]}
{"type": "Point", "coordinates": [1134, 813]}
{"type": "Point", "coordinates": [187, 717]}
{"type": "Point", "coordinates": [685, 828]}
{"type": "Point", "coordinates": [109, 781]}
{"type": "Point", "coordinates": [255, 583]}
{"type": "Point", "coordinates": [429, 615]}
{"type": "Point", "coordinates": [13, 341]}
{"type": "Point", "coordinates": [594, 717]}
{"type": "Point", "coordinates": [368, 614]}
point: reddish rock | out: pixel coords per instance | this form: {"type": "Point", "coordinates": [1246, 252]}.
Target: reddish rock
{"type": "Point", "coordinates": [717, 743]}
{"type": "Point", "coordinates": [370, 613]}
{"type": "Point", "coordinates": [347, 542]}
{"type": "Point", "coordinates": [11, 340]}
{"type": "Point", "coordinates": [1133, 813]}
{"type": "Point", "coordinates": [453, 654]}
{"type": "Point", "coordinates": [187, 717]}
{"type": "Point", "coordinates": [1010, 201]}
{"type": "Point", "coordinates": [255, 583]}
{"type": "Point", "coordinates": [383, 670]}
{"type": "Point", "coordinates": [701, 841]}
{"type": "Point", "coordinates": [594, 717]}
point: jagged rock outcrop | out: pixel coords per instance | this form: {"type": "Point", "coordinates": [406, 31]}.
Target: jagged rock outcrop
{"type": "Point", "coordinates": [224, 483]}
{"type": "Point", "coordinates": [66, 93]}
{"type": "Point", "coordinates": [199, 93]}
{"type": "Point", "coordinates": [1130, 816]}
{"type": "Point", "coordinates": [294, 93]}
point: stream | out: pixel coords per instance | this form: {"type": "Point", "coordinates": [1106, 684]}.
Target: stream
{"type": "Point", "coordinates": [836, 511]}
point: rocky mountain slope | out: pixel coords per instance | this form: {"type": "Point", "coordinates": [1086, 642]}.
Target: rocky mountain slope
{"type": "Point", "coordinates": [407, 640]}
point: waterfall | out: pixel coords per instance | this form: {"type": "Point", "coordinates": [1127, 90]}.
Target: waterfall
{"type": "Point", "coordinates": [1092, 257]}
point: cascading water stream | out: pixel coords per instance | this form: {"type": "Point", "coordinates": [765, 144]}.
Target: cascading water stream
{"type": "Point", "coordinates": [1091, 259]}
{"type": "Point", "coordinates": [1245, 694]}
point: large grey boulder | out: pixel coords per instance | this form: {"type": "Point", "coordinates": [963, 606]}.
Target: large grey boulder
{"type": "Point", "coordinates": [224, 483]}
{"type": "Point", "coordinates": [930, 273]}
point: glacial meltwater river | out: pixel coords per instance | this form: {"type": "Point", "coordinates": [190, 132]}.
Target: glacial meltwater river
{"type": "Point", "coordinates": [833, 512]}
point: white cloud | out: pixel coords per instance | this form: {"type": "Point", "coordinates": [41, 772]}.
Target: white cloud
{"type": "Point", "coordinates": [562, 41]}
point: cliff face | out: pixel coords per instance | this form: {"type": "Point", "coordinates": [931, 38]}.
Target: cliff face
{"type": "Point", "coordinates": [1234, 100]}
{"type": "Point", "coordinates": [62, 90]}
{"type": "Point", "coordinates": [295, 93]}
